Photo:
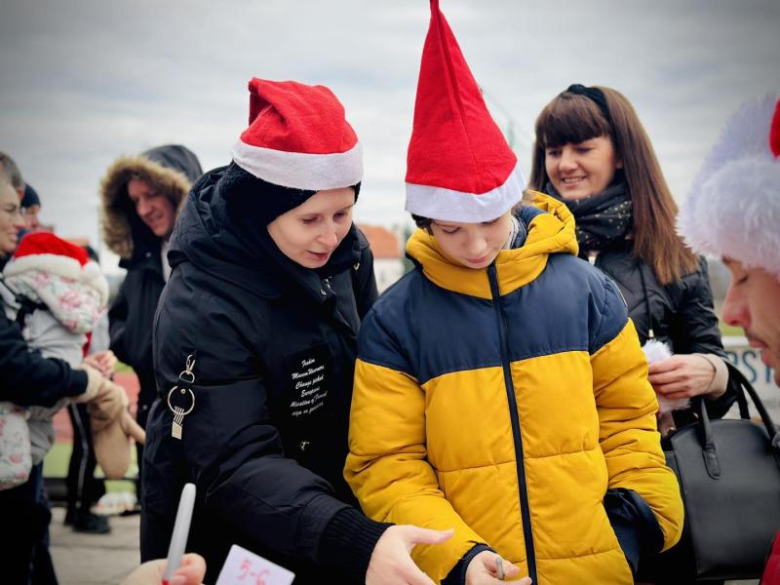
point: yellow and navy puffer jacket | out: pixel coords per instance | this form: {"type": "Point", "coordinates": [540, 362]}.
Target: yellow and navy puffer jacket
{"type": "Point", "coordinates": [504, 403]}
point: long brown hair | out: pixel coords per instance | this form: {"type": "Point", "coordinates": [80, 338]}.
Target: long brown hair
{"type": "Point", "coordinates": [574, 118]}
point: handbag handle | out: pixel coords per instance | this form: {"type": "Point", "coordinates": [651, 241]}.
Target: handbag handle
{"type": "Point", "coordinates": [709, 450]}
{"type": "Point", "coordinates": [771, 429]}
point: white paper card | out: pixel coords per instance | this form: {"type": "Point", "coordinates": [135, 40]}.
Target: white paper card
{"type": "Point", "coordinates": [246, 568]}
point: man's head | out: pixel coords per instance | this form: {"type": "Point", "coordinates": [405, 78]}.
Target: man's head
{"type": "Point", "coordinates": [153, 208]}
{"type": "Point", "coordinates": [753, 303]}
{"type": "Point", "coordinates": [142, 195]}
{"type": "Point", "coordinates": [734, 213]}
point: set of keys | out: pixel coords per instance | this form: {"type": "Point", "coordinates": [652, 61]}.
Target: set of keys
{"type": "Point", "coordinates": [187, 379]}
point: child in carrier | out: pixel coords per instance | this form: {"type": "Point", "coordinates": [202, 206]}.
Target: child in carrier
{"type": "Point", "coordinates": [57, 295]}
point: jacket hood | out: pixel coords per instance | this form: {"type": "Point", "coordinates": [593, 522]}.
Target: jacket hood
{"type": "Point", "coordinates": [223, 237]}
{"type": "Point", "coordinates": [169, 169]}
{"type": "Point", "coordinates": [550, 228]}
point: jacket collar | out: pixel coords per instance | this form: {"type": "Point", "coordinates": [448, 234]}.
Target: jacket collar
{"type": "Point", "coordinates": [550, 228]}
{"type": "Point", "coordinates": [145, 255]}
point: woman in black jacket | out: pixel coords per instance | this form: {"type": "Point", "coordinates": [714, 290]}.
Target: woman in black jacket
{"type": "Point", "coordinates": [255, 339]}
{"type": "Point", "coordinates": [592, 153]}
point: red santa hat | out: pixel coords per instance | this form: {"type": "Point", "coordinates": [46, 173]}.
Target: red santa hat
{"type": "Point", "coordinates": [45, 251]}
{"type": "Point", "coordinates": [298, 137]}
{"type": "Point", "coordinates": [459, 166]}
{"type": "Point", "coordinates": [733, 209]}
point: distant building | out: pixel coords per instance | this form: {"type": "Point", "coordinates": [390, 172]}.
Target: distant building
{"type": "Point", "coordinates": [388, 257]}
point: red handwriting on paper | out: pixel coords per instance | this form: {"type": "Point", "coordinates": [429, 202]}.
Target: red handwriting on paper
{"type": "Point", "coordinates": [247, 571]}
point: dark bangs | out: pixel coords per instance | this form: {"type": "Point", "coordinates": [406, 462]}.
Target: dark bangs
{"type": "Point", "coordinates": [570, 118]}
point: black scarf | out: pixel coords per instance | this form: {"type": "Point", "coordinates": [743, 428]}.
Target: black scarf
{"type": "Point", "coordinates": [601, 219]}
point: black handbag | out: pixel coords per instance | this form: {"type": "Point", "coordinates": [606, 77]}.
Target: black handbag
{"type": "Point", "coordinates": [729, 474]}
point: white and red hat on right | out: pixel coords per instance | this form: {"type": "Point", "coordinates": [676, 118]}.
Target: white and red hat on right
{"type": "Point", "coordinates": [733, 209]}
{"type": "Point", "coordinates": [459, 166]}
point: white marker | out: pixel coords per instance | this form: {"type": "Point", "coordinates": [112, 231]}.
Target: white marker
{"type": "Point", "coordinates": [181, 531]}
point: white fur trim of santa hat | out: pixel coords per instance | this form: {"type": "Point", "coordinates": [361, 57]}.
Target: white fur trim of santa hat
{"type": "Point", "coordinates": [300, 170]}
{"type": "Point", "coordinates": [63, 266]}
{"type": "Point", "coordinates": [733, 210]}
{"type": "Point", "coordinates": [450, 205]}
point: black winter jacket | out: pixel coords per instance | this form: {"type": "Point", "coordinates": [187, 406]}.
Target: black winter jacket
{"type": "Point", "coordinates": [131, 316]}
{"type": "Point", "coordinates": [274, 347]}
{"type": "Point", "coordinates": [680, 314]}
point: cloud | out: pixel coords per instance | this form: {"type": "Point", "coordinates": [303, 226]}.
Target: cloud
{"type": "Point", "coordinates": [85, 82]}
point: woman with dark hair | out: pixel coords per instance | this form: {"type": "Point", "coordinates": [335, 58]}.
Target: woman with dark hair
{"type": "Point", "coordinates": [593, 154]}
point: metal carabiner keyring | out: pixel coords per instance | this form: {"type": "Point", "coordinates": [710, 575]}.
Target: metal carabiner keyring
{"type": "Point", "coordinates": [187, 375]}
{"type": "Point", "coordinates": [182, 390]}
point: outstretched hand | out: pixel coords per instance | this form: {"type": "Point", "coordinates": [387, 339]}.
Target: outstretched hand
{"type": "Point", "coordinates": [391, 562]}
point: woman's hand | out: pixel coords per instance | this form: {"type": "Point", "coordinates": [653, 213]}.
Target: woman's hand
{"type": "Point", "coordinates": [483, 569]}
{"type": "Point", "coordinates": [191, 572]}
{"type": "Point", "coordinates": [103, 361]}
{"type": "Point", "coordinates": [391, 563]}
{"type": "Point", "coordinates": [681, 376]}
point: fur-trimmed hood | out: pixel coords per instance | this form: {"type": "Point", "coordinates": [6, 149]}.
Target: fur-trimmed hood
{"type": "Point", "coordinates": [170, 169]}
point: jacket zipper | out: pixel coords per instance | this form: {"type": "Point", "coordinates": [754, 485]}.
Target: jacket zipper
{"type": "Point", "coordinates": [337, 316]}
{"type": "Point", "coordinates": [515, 418]}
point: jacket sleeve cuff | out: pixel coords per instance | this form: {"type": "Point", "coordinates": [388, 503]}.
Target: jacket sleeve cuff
{"type": "Point", "coordinates": [80, 383]}
{"type": "Point", "coordinates": [720, 381]}
{"type": "Point", "coordinates": [635, 525]}
{"type": "Point", "coordinates": [348, 542]}
{"type": "Point", "coordinates": [457, 576]}
{"type": "Point", "coordinates": [94, 382]}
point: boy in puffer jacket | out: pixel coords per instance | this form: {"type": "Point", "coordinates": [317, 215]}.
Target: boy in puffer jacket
{"type": "Point", "coordinates": [61, 296]}
{"type": "Point", "coordinates": [500, 388]}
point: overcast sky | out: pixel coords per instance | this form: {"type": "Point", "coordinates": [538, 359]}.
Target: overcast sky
{"type": "Point", "coordinates": [84, 82]}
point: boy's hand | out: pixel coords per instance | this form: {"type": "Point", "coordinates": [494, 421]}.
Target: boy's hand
{"type": "Point", "coordinates": [483, 569]}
